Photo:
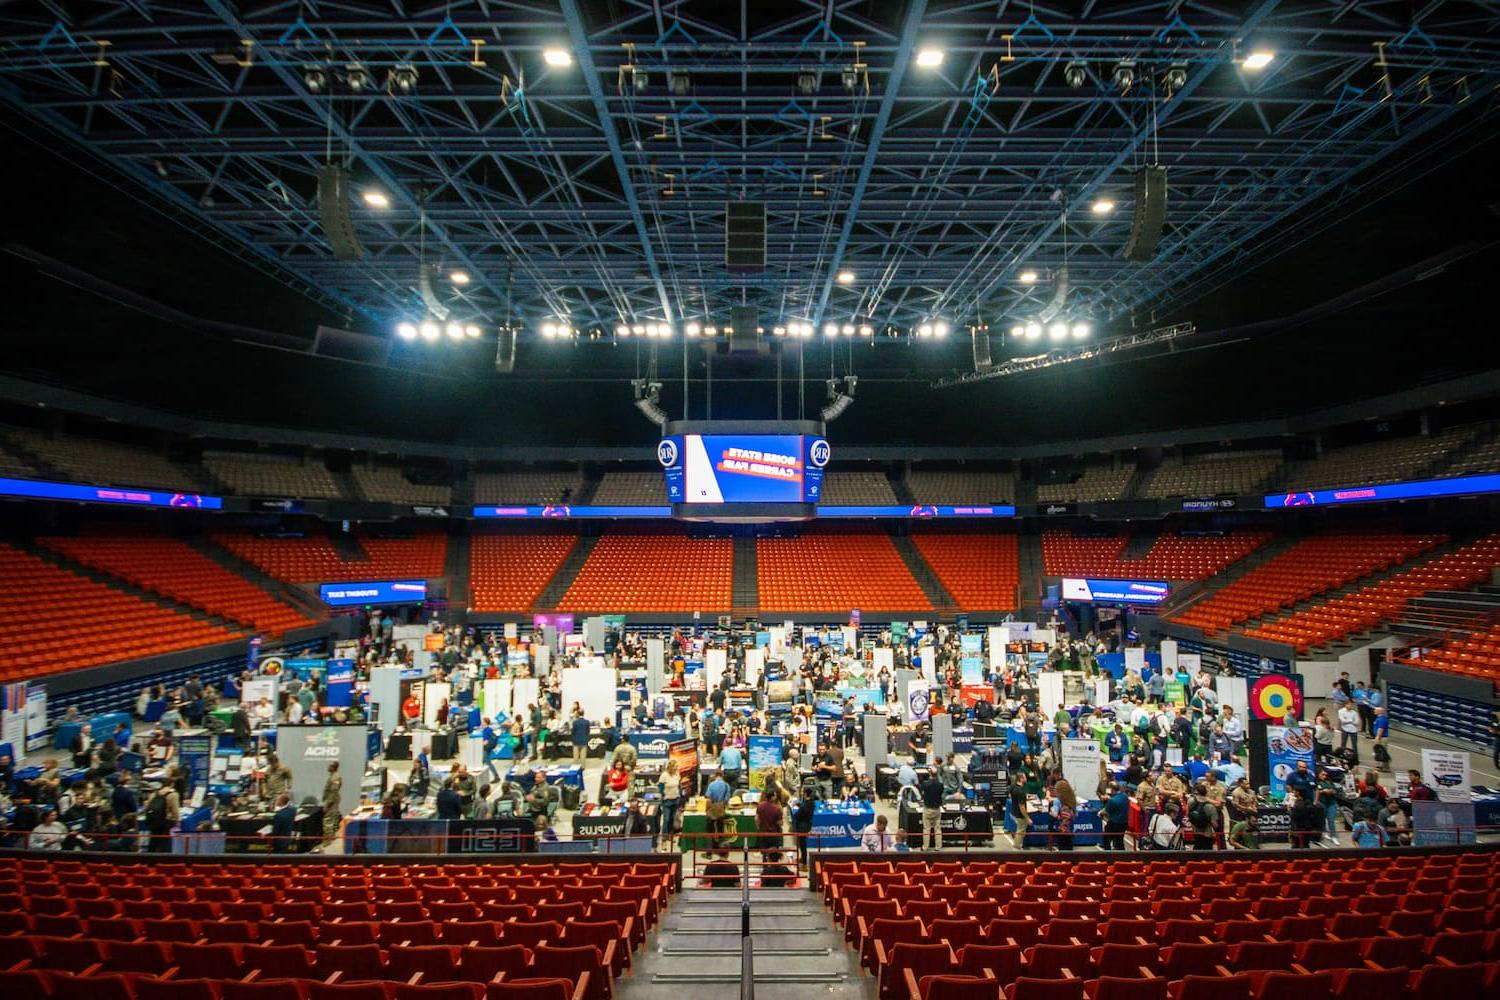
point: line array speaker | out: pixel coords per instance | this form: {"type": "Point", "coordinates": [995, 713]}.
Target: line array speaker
{"type": "Point", "coordinates": [335, 213]}
{"type": "Point", "coordinates": [1150, 213]}
{"type": "Point", "coordinates": [505, 351]}
{"type": "Point", "coordinates": [744, 320]}
{"type": "Point", "coordinates": [982, 359]}
{"type": "Point", "coordinates": [745, 237]}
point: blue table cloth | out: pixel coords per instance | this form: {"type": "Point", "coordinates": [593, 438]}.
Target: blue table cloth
{"type": "Point", "coordinates": [836, 824]}
{"type": "Point", "coordinates": [66, 732]}
{"type": "Point", "coordinates": [569, 775]}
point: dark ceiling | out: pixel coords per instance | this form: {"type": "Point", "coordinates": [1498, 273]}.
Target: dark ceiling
{"type": "Point", "coordinates": [1323, 252]}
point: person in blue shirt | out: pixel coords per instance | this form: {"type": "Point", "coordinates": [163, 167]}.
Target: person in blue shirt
{"type": "Point", "coordinates": [1301, 780]}
{"type": "Point", "coordinates": [449, 805]}
{"type": "Point", "coordinates": [1374, 699]}
{"type": "Point", "coordinates": [718, 793]}
{"type": "Point", "coordinates": [730, 763]}
{"type": "Point", "coordinates": [283, 824]}
{"type": "Point", "coordinates": [123, 800]}
{"type": "Point", "coordinates": [1116, 818]}
{"type": "Point", "coordinates": [580, 733]}
{"type": "Point", "coordinates": [1118, 744]}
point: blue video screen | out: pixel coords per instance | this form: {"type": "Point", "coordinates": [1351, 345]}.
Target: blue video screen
{"type": "Point", "coordinates": [1418, 490]}
{"type": "Point", "coordinates": [106, 494]}
{"type": "Point", "coordinates": [743, 468]}
{"type": "Point", "coordinates": [562, 511]}
{"type": "Point", "coordinates": [1115, 591]}
{"type": "Point", "coordinates": [925, 510]}
{"type": "Point", "coordinates": [346, 595]}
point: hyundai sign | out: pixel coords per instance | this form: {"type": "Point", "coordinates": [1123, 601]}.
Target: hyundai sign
{"type": "Point", "coordinates": [344, 595]}
{"type": "Point", "coordinates": [1115, 591]}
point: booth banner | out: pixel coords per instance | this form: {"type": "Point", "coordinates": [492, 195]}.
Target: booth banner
{"type": "Point", "coordinates": [194, 754]}
{"type": "Point", "coordinates": [37, 733]}
{"type": "Point", "coordinates": [501, 835]}
{"type": "Point", "coordinates": [256, 688]}
{"type": "Point", "coordinates": [715, 662]}
{"type": "Point", "coordinates": [1189, 663]}
{"type": "Point", "coordinates": [1275, 697]}
{"type": "Point", "coordinates": [433, 642]}
{"type": "Point", "coordinates": [970, 694]}
{"type": "Point", "coordinates": [764, 754]}
{"type": "Point", "coordinates": [1174, 692]}
{"type": "Point", "coordinates": [1447, 771]}
{"type": "Point", "coordinates": [252, 653]}
{"type": "Point", "coordinates": [13, 714]}
{"type": "Point", "coordinates": [1286, 745]}
{"type": "Point", "coordinates": [685, 753]}
{"type": "Point", "coordinates": [435, 694]}
{"type": "Point", "coordinates": [563, 623]}
{"type": "Point", "coordinates": [651, 745]}
{"type": "Point", "coordinates": [914, 699]}
{"type": "Point", "coordinates": [1273, 824]}
{"type": "Point", "coordinates": [1169, 655]}
{"type": "Point", "coordinates": [339, 684]}
{"type": "Point", "coordinates": [898, 631]}
{"type": "Point", "coordinates": [754, 663]}
{"type": "Point", "coordinates": [308, 750]}
{"type": "Point", "coordinates": [971, 669]}
{"type": "Point", "coordinates": [996, 638]}
{"type": "Point", "coordinates": [1135, 659]}
{"type": "Point", "coordinates": [971, 642]}
{"type": "Point", "coordinates": [1442, 824]}
{"type": "Point", "coordinates": [885, 659]}
{"type": "Point", "coordinates": [1080, 765]}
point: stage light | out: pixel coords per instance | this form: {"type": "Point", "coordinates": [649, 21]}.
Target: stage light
{"type": "Point", "coordinates": [1017, 331]}
{"type": "Point", "coordinates": [1076, 73]}
{"type": "Point", "coordinates": [850, 78]}
{"type": "Point", "coordinates": [925, 330]}
{"type": "Point", "coordinates": [315, 79]}
{"type": "Point", "coordinates": [1259, 59]}
{"type": "Point", "coordinates": [807, 82]}
{"type": "Point", "coordinates": [622, 330]}
{"type": "Point", "coordinates": [1124, 75]}
{"type": "Point", "coordinates": [429, 330]}
{"type": "Point", "coordinates": [557, 57]}
{"type": "Point", "coordinates": [564, 330]}
{"type": "Point", "coordinates": [1058, 331]}
{"type": "Point", "coordinates": [692, 329]}
{"type": "Point", "coordinates": [403, 79]}
{"type": "Point", "coordinates": [1081, 331]}
{"type": "Point", "coordinates": [376, 199]}
{"type": "Point", "coordinates": [455, 331]}
{"type": "Point", "coordinates": [1033, 331]}
{"type": "Point", "coordinates": [639, 80]}
{"type": "Point", "coordinates": [710, 331]}
{"type": "Point", "coordinates": [940, 329]}
{"type": "Point", "coordinates": [549, 330]}
{"type": "Point", "coordinates": [357, 77]}
{"type": "Point", "coordinates": [1027, 277]}
{"type": "Point", "coordinates": [664, 331]}
{"type": "Point", "coordinates": [865, 330]}
{"type": "Point", "coordinates": [779, 331]}
{"type": "Point", "coordinates": [459, 277]}
{"type": "Point", "coordinates": [846, 277]}
{"type": "Point", "coordinates": [679, 82]}
{"type": "Point", "coordinates": [848, 329]}
{"type": "Point", "coordinates": [930, 58]}
{"type": "Point", "coordinates": [830, 329]}
{"type": "Point", "coordinates": [1102, 206]}
{"type": "Point", "coordinates": [406, 331]}
{"type": "Point", "coordinates": [1176, 78]}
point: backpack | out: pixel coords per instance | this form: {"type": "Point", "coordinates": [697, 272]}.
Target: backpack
{"type": "Point", "coordinates": [1198, 815]}
{"type": "Point", "coordinates": [156, 811]}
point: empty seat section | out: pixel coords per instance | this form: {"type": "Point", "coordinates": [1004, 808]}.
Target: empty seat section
{"type": "Point", "coordinates": [835, 572]}
{"type": "Point", "coordinates": [1211, 476]}
{"type": "Point", "coordinates": [508, 571]}
{"type": "Point", "coordinates": [980, 572]}
{"type": "Point", "coordinates": [848, 489]}
{"type": "Point", "coordinates": [1172, 556]}
{"type": "Point", "coordinates": [104, 463]}
{"type": "Point", "coordinates": [654, 570]}
{"type": "Point", "coordinates": [1095, 484]}
{"type": "Point", "coordinates": [961, 487]}
{"type": "Point", "coordinates": [386, 484]}
{"type": "Point", "coordinates": [1378, 462]}
{"type": "Point", "coordinates": [527, 487]}
{"type": "Point", "coordinates": [632, 489]}
{"type": "Point", "coordinates": [313, 559]}
{"type": "Point", "coordinates": [273, 476]}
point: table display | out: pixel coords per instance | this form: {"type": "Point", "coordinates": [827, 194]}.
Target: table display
{"type": "Point", "coordinates": [961, 824]}
{"type": "Point", "coordinates": [558, 774]}
{"type": "Point", "coordinates": [103, 727]}
{"type": "Point", "coordinates": [593, 821]}
{"type": "Point", "coordinates": [887, 783]}
{"type": "Point", "coordinates": [695, 829]}
{"type": "Point", "coordinates": [840, 824]}
{"type": "Point", "coordinates": [249, 833]}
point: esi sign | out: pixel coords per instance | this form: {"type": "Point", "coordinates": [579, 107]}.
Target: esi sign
{"type": "Point", "coordinates": [349, 595]}
{"type": "Point", "coordinates": [1115, 591]}
{"type": "Point", "coordinates": [1417, 490]}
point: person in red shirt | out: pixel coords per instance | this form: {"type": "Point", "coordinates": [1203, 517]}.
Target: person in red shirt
{"type": "Point", "coordinates": [1417, 790]}
{"type": "Point", "coordinates": [768, 816]}
{"type": "Point", "coordinates": [619, 780]}
{"type": "Point", "coordinates": [411, 708]}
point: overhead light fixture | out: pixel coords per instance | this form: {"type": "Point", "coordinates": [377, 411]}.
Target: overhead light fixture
{"type": "Point", "coordinates": [376, 199]}
{"type": "Point", "coordinates": [940, 329]}
{"type": "Point", "coordinates": [1076, 73]}
{"type": "Point", "coordinates": [315, 78]}
{"type": "Point", "coordinates": [406, 331]}
{"type": "Point", "coordinates": [429, 330]}
{"type": "Point", "coordinates": [1033, 331]}
{"type": "Point", "coordinates": [564, 330]}
{"type": "Point", "coordinates": [830, 329]}
{"type": "Point", "coordinates": [846, 277]}
{"type": "Point", "coordinates": [692, 329]}
{"type": "Point", "coordinates": [710, 331]}
{"type": "Point", "coordinates": [848, 329]}
{"type": "Point", "coordinates": [459, 277]}
{"type": "Point", "coordinates": [1027, 277]}
{"type": "Point", "coordinates": [403, 78]}
{"type": "Point", "coordinates": [664, 331]}
{"type": "Point", "coordinates": [1102, 206]}
{"type": "Point", "coordinates": [638, 329]}
{"type": "Point", "coordinates": [807, 82]}
{"type": "Point", "coordinates": [1259, 59]}
{"type": "Point", "coordinates": [930, 58]}
{"type": "Point", "coordinates": [455, 331]}
{"type": "Point", "coordinates": [850, 78]}
{"type": "Point", "coordinates": [1081, 331]}
{"type": "Point", "coordinates": [679, 82]}
{"type": "Point", "coordinates": [1176, 78]}
{"type": "Point", "coordinates": [639, 80]}
{"type": "Point", "coordinates": [549, 330]}
{"type": "Point", "coordinates": [357, 77]}
{"type": "Point", "coordinates": [557, 57]}
{"type": "Point", "coordinates": [865, 330]}
{"type": "Point", "coordinates": [778, 331]}
{"type": "Point", "coordinates": [1017, 332]}
{"type": "Point", "coordinates": [622, 330]}
{"type": "Point", "coordinates": [647, 400]}
{"type": "Point", "coordinates": [1124, 75]}
{"type": "Point", "coordinates": [1058, 331]}
{"type": "Point", "coordinates": [839, 399]}
{"type": "Point", "coordinates": [924, 330]}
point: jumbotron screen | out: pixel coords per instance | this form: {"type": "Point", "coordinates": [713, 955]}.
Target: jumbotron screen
{"type": "Point", "coordinates": [743, 468]}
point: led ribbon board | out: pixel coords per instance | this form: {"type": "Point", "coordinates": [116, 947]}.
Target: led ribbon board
{"type": "Point", "coordinates": [345, 595]}
{"type": "Point", "coordinates": [1115, 591]}
{"type": "Point", "coordinates": [1418, 490]}
{"type": "Point", "coordinates": [106, 494]}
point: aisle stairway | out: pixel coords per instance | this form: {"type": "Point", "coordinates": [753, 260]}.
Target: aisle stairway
{"type": "Point", "coordinates": [746, 583]}
{"type": "Point", "coordinates": [942, 601]}
{"type": "Point", "coordinates": [1030, 567]}
{"type": "Point", "coordinates": [696, 950]}
{"type": "Point", "coordinates": [558, 586]}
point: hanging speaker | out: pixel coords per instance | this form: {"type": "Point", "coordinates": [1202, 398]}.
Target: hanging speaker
{"type": "Point", "coordinates": [1150, 213]}
{"type": "Point", "coordinates": [335, 213]}
{"type": "Point", "coordinates": [982, 359]}
{"type": "Point", "coordinates": [505, 351]}
{"type": "Point", "coordinates": [745, 237]}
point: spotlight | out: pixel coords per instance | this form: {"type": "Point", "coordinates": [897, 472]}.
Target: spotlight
{"type": "Point", "coordinates": [429, 330]}
{"type": "Point", "coordinates": [651, 330]}
{"type": "Point", "coordinates": [406, 331]}
{"type": "Point", "coordinates": [357, 77]}
{"type": "Point", "coordinates": [710, 331]}
{"type": "Point", "coordinates": [1124, 75]}
{"type": "Point", "coordinates": [930, 58]}
{"type": "Point", "coordinates": [403, 79]}
{"type": "Point", "coordinates": [622, 330]}
{"type": "Point", "coordinates": [1259, 59]}
{"type": "Point", "coordinates": [1076, 73]}
{"type": "Point", "coordinates": [455, 331]}
{"type": "Point", "coordinates": [807, 82]}
{"type": "Point", "coordinates": [1081, 331]}
{"type": "Point", "coordinates": [1058, 331]}
{"type": "Point", "coordinates": [639, 80]}
{"type": "Point", "coordinates": [848, 329]}
{"type": "Point", "coordinates": [472, 331]}
{"type": "Point", "coordinates": [846, 277]}
{"type": "Point", "coordinates": [779, 331]}
{"type": "Point", "coordinates": [664, 331]}
{"type": "Point", "coordinates": [692, 329]}
{"type": "Point", "coordinates": [1033, 331]}
{"type": "Point", "coordinates": [807, 330]}
{"type": "Point", "coordinates": [459, 277]}
{"type": "Point", "coordinates": [1017, 332]}
{"type": "Point", "coordinates": [564, 330]}
{"type": "Point", "coordinates": [830, 329]}
{"type": "Point", "coordinates": [850, 78]}
{"type": "Point", "coordinates": [557, 57]}
{"type": "Point", "coordinates": [315, 78]}
{"type": "Point", "coordinates": [940, 329]}
{"type": "Point", "coordinates": [638, 329]}
{"type": "Point", "coordinates": [549, 330]}
{"type": "Point", "coordinates": [1102, 206]}
{"type": "Point", "coordinates": [1027, 277]}
{"type": "Point", "coordinates": [376, 199]}
{"type": "Point", "coordinates": [1176, 78]}
{"type": "Point", "coordinates": [679, 82]}
{"type": "Point", "coordinates": [865, 330]}
{"type": "Point", "coordinates": [925, 330]}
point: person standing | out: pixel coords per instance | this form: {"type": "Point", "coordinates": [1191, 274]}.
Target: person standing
{"type": "Point", "coordinates": [768, 819]}
{"type": "Point", "coordinates": [716, 807]}
{"type": "Point", "coordinates": [163, 810]}
{"type": "Point", "coordinates": [580, 734]}
{"type": "Point", "coordinates": [283, 824]}
{"type": "Point", "coordinates": [1349, 730]}
{"type": "Point", "coordinates": [931, 790]}
{"type": "Point", "coordinates": [333, 790]}
{"type": "Point", "coordinates": [1064, 807]}
{"type": "Point", "coordinates": [671, 796]}
{"type": "Point", "coordinates": [1116, 818]}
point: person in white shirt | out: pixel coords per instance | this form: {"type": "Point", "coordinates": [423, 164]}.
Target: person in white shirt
{"type": "Point", "coordinates": [1234, 729]}
{"type": "Point", "coordinates": [47, 835]}
{"type": "Point", "coordinates": [1349, 728]}
{"type": "Point", "coordinates": [875, 837]}
{"type": "Point", "coordinates": [1164, 833]}
{"type": "Point", "coordinates": [294, 712]}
